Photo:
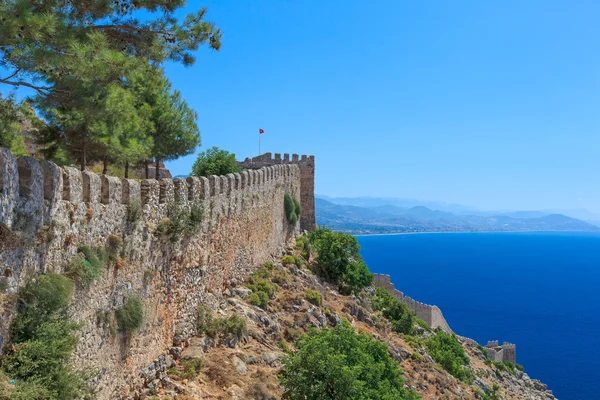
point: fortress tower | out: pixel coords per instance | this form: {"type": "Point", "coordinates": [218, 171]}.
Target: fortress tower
{"type": "Point", "coordinates": [307, 181]}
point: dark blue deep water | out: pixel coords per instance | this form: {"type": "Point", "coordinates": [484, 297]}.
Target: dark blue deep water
{"type": "Point", "coordinates": [538, 290]}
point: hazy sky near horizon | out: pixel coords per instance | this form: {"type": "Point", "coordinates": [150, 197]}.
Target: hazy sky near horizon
{"type": "Point", "coordinates": [492, 104]}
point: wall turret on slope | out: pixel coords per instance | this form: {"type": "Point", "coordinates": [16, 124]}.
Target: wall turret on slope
{"type": "Point", "coordinates": [433, 316]}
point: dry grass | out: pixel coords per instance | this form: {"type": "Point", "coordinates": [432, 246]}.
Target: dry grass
{"type": "Point", "coordinates": [9, 240]}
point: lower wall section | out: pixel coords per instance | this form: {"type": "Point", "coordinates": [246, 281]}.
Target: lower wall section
{"type": "Point", "coordinates": [242, 228]}
{"type": "Point", "coordinates": [432, 315]}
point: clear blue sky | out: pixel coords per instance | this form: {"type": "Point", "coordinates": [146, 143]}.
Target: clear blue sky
{"type": "Point", "coordinates": [493, 104]}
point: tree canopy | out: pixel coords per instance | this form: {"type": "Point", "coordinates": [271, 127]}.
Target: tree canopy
{"type": "Point", "coordinates": [215, 161]}
{"type": "Point", "coordinates": [50, 46]}
{"type": "Point", "coordinates": [95, 69]}
{"type": "Point", "coordinates": [339, 259]}
{"type": "Point", "coordinates": [337, 363]}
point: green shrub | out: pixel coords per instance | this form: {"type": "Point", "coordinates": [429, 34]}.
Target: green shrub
{"type": "Point", "coordinates": [87, 265]}
{"type": "Point", "coordinates": [395, 311]}
{"type": "Point", "coordinates": [337, 363]}
{"type": "Point", "coordinates": [182, 221]}
{"type": "Point", "coordinates": [43, 342]}
{"type": "Point", "coordinates": [234, 325]}
{"type": "Point", "coordinates": [191, 368]}
{"type": "Point", "coordinates": [314, 297]}
{"type": "Point", "coordinates": [259, 299]}
{"type": "Point", "coordinates": [422, 324]}
{"type": "Point", "coordinates": [303, 244]}
{"type": "Point", "coordinates": [131, 315]}
{"type": "Point", "coordinates": [339, 260]}
{"type": "Point", "coordinates": [134, 212]}
{"type": "Point", "coordinates": [262, 289]}
{"type": "Point", "coordinates": [520, 367]}
{"type": "Point", "coordinates": [269, 265]}
{"type": "Point", "coordinates": [286, 260]}
{"type": "Point", "coordinates": [292, 209]}
{"type": "Point", "coordinates": [215, 161]}
{"type": "Point", "coordinates": [447, 351]}
{"type": "Point", "coordinates": [195, 218]}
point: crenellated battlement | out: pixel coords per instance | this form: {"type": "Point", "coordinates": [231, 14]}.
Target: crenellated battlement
{"type": "Point", "coordinates": [26, 183]}
{"type": "Point", "coordinates": [503, 353]}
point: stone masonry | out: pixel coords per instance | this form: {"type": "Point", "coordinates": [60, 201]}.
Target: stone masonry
{"type": "Point", "coordinates": [48, 212]}
{"type": "Point", "coordinates": [307, 181]}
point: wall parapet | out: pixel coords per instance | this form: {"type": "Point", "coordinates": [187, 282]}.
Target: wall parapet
{"type": "Point", "coordinates": [26, 182]}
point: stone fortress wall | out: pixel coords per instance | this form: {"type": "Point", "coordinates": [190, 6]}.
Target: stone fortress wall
{"type": "Point", "coordinates": [307, 181]}
{"type": "Point", "coordinates": [433, 316]}
{"type": "Point", "coordinates": [48, 212]}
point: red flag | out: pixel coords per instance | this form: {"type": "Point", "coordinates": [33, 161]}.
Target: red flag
{"type": "Point", "coordinates": [261, 131]}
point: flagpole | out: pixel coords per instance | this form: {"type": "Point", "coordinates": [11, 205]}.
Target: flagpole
{"type": "Point", "coordinates": [259, 142]}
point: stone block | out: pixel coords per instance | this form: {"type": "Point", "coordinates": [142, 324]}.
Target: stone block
{"type": "Point", "coordinates": [180, 190]}
{"type": "Point", "coordinates": [53, 181]}
{"type": "Point", "coordinates": [167, 191]}
{"type": "Point", "coordinates": [150, 191]}
{"type": "Point", "coordinates": [131, 191]}
{"type": "Point", "coordinates": [72, 185]}
{"type": "Point", "coordinates": [92, 187]}
{"type": "Point", "coordinates": [111, 190]}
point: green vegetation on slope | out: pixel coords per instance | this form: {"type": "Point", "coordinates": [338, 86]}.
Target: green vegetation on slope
{"type": "Point", "coordinates": [447, 351]}
{"type": "Point", "coordinates": [43, 342]}
{"type": "Point", "coordinates": [339, 260]}
{"type": "Point", "coordinates": [337, 363]}
{"type": "Point", "coordinates": [394, 310]}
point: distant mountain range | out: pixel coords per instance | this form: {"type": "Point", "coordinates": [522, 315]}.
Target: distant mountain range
{"type": "Point", "coordinates": [380, 215]}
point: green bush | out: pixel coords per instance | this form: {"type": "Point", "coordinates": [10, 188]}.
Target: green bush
{"type": "Point", "coordinates": [292, 208]}
{"type": "Point", "coordinates": [395, 311]}
{"type": "Point", "coordinates": [259, 299]}
{"type": "Point", "coordinates": [520, 367]}
{"type": "Point", "coordinates": [134, 212]}
{"type": "Point", "coordinates": [286, 260]}
{"type": "Point", "coordinates": [131, 315]}
{"type": "Point", "coordinates": [215, 161]}
{"type": "Point", "coordinates": [87, 265]}
{"type": "Point", "coordinates": [43, 342]}
{"type": "Point", "coordinates": [303, 244]}
{"type": "Point", "coordinates": [262, 289]}
{"type": "Point", "coordinates": [182, 221]}
{"type": "Point", "coordinates": [191, 368]}
{"type": "Point", "coordinates": [234, 325]}
{"type": "Point", "coordinates": [339, 259]}
{"type": "Point", "coordinates": [337, 363]}
{"type": "Point", "coordinates": [447, 351]}
{"type": "Point", "coordinates": [314, 297]}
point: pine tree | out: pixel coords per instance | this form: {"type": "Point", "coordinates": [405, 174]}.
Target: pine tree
{"type": "Point", "coordinates": [51, 46]}
{"type": "Point", "coordinates": [174, 131]}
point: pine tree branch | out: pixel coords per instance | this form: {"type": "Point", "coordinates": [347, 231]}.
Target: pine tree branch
{"type": "Point", "coordinates": [13, 75]}
{"type": "Point", "coordinates": [43, 90]}
{"type": "Point", "coordinates": [130, 29]}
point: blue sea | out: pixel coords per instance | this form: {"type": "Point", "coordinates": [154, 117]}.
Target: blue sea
{"type": "Point", "coordinates": [540, 291]}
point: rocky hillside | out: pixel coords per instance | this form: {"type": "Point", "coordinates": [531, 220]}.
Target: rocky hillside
{"type": "Point", "coordinates": [244, 347]}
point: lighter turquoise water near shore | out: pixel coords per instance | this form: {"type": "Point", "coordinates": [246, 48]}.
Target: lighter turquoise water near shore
{"type": "Point", "coordinates": [538, 290]}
